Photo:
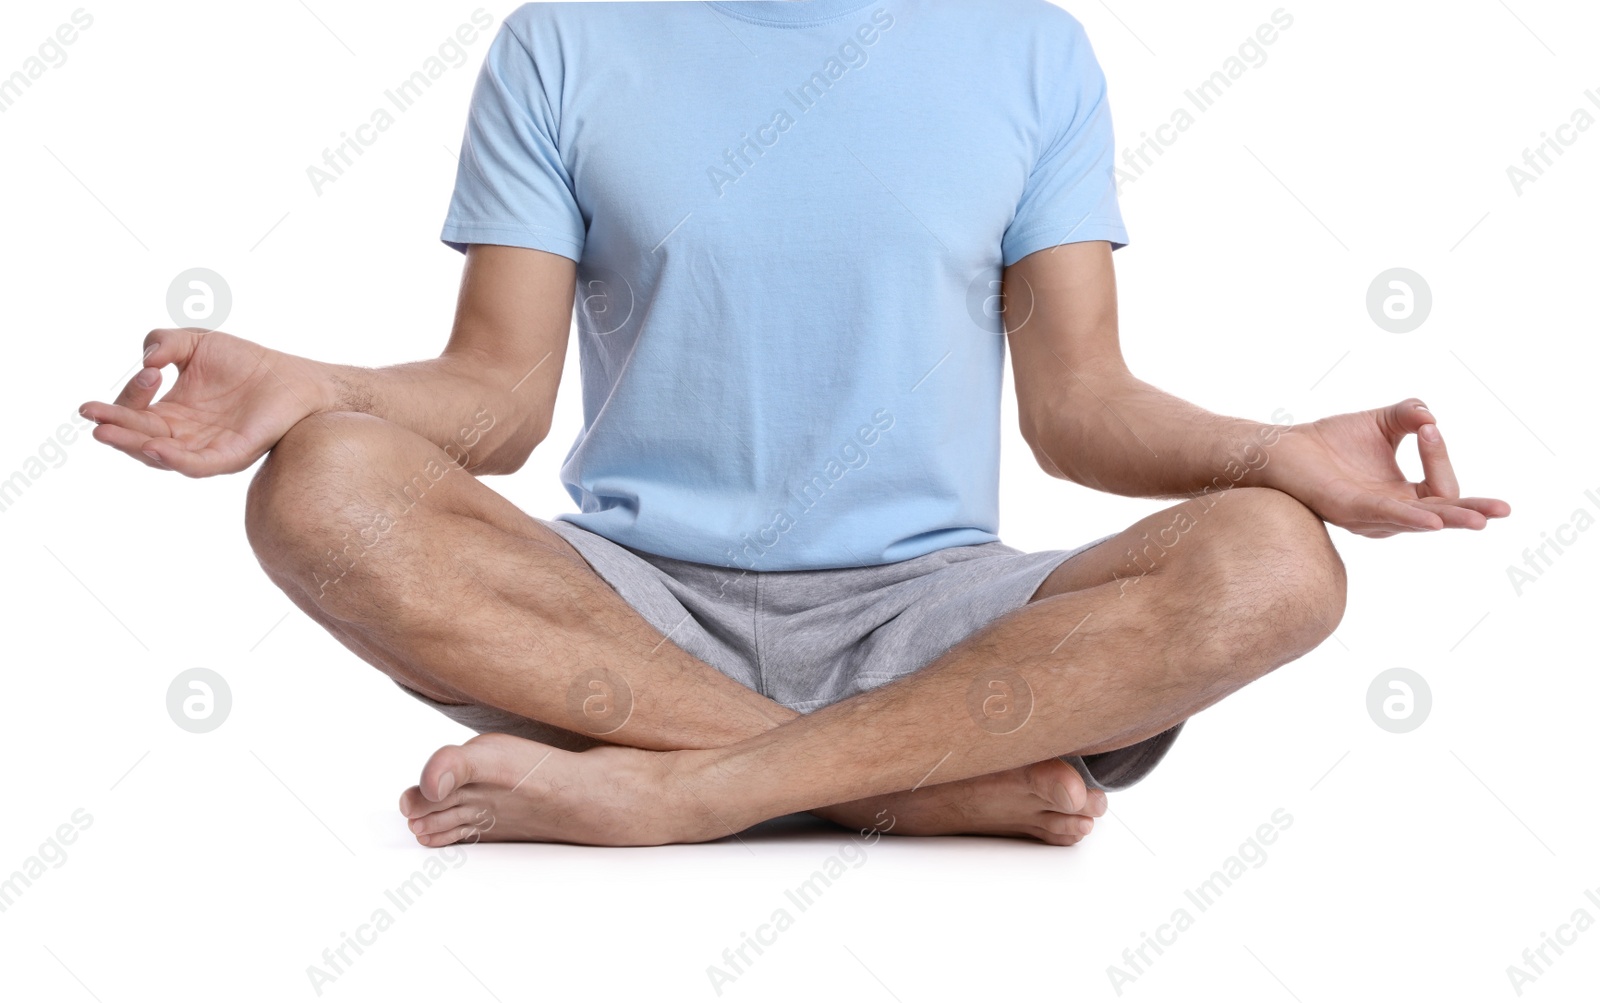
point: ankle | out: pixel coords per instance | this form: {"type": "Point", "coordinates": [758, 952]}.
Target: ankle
{"type": "Point", "coordinates": [705, 796]}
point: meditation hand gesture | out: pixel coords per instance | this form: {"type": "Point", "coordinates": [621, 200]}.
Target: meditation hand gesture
{"type": "Point", "coordinates": [1343, 468]}
{"type": "Point", "coordinates": [232, 401]}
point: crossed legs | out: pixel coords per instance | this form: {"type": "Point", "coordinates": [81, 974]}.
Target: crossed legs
{"type": "Point", "coordinates": [446, 586]}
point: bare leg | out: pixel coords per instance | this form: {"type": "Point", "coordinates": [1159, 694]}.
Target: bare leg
{"type": "Point", "coordinates": [423, 571]}
{"type": "Point", "coordinates": [1113, 652]}
{"type": "Point", "coordinates": [440, 582]}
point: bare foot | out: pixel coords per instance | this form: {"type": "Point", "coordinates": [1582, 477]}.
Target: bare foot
{"type": "Point", "coordinates": [500, 788]}
{"type": "Point", "coordinates": [1047, 801]}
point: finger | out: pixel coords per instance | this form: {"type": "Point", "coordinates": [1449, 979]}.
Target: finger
{"type": "Point", "coordinates": [1401, 515]}
{"type": "Point", "coordinates": [170, 346]}
{"type": "Point", "coordinates": [1438, 476]}
{"type": "Point", "coordinates": [1454, 516]}
{"type": "Point", "coordinates": [1494, 508]}
{"type": "Point", "coordinates": [115, 414]}
{"type": "Point", "coordinates": [1403, 419]}
{"type": "Point", "coordinates": [138, 392]}
{"type": "Point", "coordinates": [126, 441]}
{"type": "Point", "coordinates": [173, 455]}
{"type": "Point", "coordinates": [1474, 512]}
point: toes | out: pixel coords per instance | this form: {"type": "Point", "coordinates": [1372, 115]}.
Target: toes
{"type": "Point", "coordinates": [474, 816]}
{"type": "Point", "coordinates": [1060, 786]}
{"type": "Point", "coordinates": [414, 805]}
{"type": "Point", "coordinates": [500, 760]}
{"type": "Point", "coordinates": [441, 774]}
{"type": "Point", "coordinates": [459, 834]}
{"type": "Point", "coordinates": [1061, 824]}
{"type": "Point", "coordinates": [1045, 835]}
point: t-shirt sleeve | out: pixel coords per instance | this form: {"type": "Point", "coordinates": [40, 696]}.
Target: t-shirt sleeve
{"type": "Point", "coordinates": [512, 186]}
{"type": "Point", "coordinates": [1071, 193]}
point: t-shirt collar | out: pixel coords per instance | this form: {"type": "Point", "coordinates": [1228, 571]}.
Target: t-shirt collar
{"type": "Point", "coordinates": [790, 11]}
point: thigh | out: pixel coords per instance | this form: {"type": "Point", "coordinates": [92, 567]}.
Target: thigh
{"type": "Point", "coordinates": [460, 596]}
{"type": "Point", "coordinates": [1125, 556]}
{"type": "Point", "coordinates": [381, 538]}
{"type": "Point", "coordinates": [1195, 534]}
{"type": "Point", "coordinates": [359, 482]}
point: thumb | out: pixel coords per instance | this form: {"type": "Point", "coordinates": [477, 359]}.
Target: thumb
{"type": "Point", "coordinates": [1403, 419]}
{"type": "Point", "coordinates": [171, 346]}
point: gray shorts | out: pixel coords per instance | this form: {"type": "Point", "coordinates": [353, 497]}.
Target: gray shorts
{"type": "Point", "coordinates": [807, 639]}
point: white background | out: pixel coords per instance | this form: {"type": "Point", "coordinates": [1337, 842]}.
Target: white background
{"type": "Point", "coordinates": [219, 866]}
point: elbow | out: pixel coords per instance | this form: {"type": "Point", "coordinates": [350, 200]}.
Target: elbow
{"type": "Point", "coordinates": [1028, 425]}
{"type": "Point", "coordinates": [494, 466]}
{"type": "Point", "coordinates": [507, 454]}
{"type": "Point", "coordinates": [1055, 436]}
{"type": "Point", "coordinates": [1048, 463]}
{"type": "Point", "coordinates": [1036, 428]}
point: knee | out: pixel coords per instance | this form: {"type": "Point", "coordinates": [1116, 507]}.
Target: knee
{"type": "Point", "coordinates": [1273, 547]}
{"type": "Point", "coordinates": [310, 491]}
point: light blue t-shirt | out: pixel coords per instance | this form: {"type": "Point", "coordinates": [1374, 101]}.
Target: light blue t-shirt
{"type": "Point", "coordinates": [790, 219]}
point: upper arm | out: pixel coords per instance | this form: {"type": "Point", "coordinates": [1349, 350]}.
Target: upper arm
{"type": "Point", "coordinates": [1059, 285]}
{"type": "Point", "coordinates": [513, 318]}
{"type": "Point", "coordinates": [1061, 322]}
{"type": "Point", "coordinates": [1070, 194]}
{"type": "Point", "coordinates": [515, 214]}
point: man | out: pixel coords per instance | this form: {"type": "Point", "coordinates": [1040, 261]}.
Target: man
{"type": "Point", "coordinates": [785, 591]}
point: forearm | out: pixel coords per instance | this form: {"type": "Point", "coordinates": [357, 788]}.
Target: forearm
{"type": "Point", "coordinates": [457, 401]}
{"type": "Point", "coordinates": [1113, 432]}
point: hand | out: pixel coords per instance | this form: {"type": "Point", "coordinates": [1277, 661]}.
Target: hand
{"type": "Point", "coordinates": [1343, 468]}
{"type": "Point", "coordinates": [232, 401]}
